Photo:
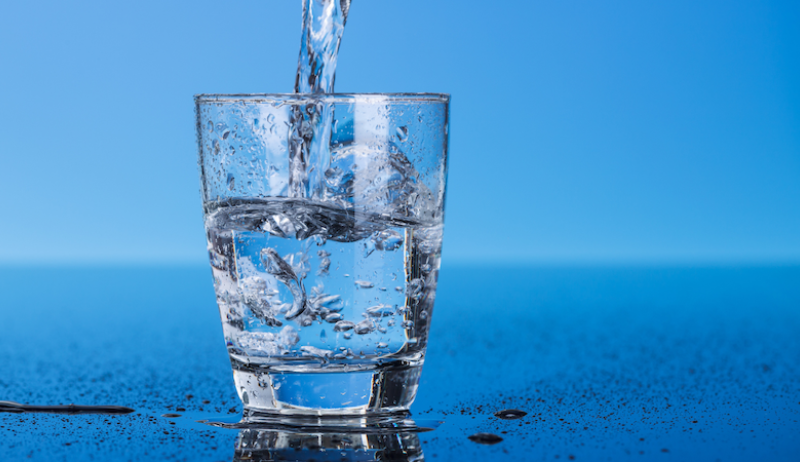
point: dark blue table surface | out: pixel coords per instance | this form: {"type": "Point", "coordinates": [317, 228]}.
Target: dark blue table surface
{"type": "Point", "coordinates": [661, 363]}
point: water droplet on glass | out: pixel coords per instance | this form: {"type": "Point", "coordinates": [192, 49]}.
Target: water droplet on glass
{"type": "Point", "coordinates": [379, 311]}
{"type": "Point", "coordinates": [271, 118]}
{"type": "Point", "coordinates": [231, 182]}
{"type": "Point", "coordinates": [225, 134]}
{"type": "Point", "coordinates": [415, 288]}
{"type": "Point", "coordinates": [348, 335]}
{"type": "Point", "coordinates": [333, 317]}
{"type": "Point", "coordinates": [323, 337]}
{"type": "Point", "coordinates": [343, 326]}
{"type": "Point", "coordinates": [365, 284]}
{"type": "Point", "coordinates": [382, 345]}
{"type": "Point", "coordinates": [210, 126]}
{"type": "Point", "coordinates": [364, 327]}
{"type": "Point", "coordinates": [423, 314]}
{"type": "Point", "coordinates": [402, 133]}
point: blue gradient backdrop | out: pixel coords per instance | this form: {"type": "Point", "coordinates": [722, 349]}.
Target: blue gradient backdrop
{"type": "Point", "coordinates": [618, 131]}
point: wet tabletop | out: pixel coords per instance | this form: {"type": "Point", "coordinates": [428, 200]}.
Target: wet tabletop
{"type": "Point", "coordinates": [672, 363]}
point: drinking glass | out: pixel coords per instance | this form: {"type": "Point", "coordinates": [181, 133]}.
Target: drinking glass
{"type": "Point", "coordinates": [324, 218]}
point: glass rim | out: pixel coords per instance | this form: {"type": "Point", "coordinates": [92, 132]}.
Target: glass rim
{"type": "Point", "coordinates": [301, 98]}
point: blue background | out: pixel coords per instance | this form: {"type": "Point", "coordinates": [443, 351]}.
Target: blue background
{"type": "Point", "coordinates": [615, 132]}
{"type": "Point", "coordinates": [623, 221]}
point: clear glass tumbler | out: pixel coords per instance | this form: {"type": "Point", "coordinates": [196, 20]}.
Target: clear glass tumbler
{"type": "Point", "coordinates": [324, 218]}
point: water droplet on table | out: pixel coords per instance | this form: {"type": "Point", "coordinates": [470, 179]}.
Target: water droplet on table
{"type": "Point", "coordinates": [510, 414]}
{"type": "Point", "coordinates": [485, 438]}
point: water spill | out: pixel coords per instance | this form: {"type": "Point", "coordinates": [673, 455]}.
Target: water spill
{"type": "Point", "coordinates": [17, 408]}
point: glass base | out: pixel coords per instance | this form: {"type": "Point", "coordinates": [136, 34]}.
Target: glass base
{"type": "Point", "coordinates": [388, 389]}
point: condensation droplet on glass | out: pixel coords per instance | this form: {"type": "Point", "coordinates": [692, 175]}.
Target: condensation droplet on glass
{"type": "Point", "coordinates": [210, 126]}
{"type": "Point", "coordinates": [271, 118]}
{"type": "Point", "coordinates": [225, 134]}
{"type": "Point", "coordinates": [255, 122]}
{"type": "Point", "coordinates": [231, 182]}
{"type": "Point", "coordinates": [402, 133]}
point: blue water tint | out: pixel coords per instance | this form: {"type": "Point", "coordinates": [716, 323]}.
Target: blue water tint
{"type": "Point", "coordinates": [609, 363]}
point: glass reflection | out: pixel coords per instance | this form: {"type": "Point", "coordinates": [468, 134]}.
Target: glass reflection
{"type": "Point", "coordinates": [314, 445]}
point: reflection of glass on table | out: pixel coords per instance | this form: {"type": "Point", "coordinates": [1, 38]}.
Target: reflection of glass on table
{"type": "Point", "coordinates": [254, 444]}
